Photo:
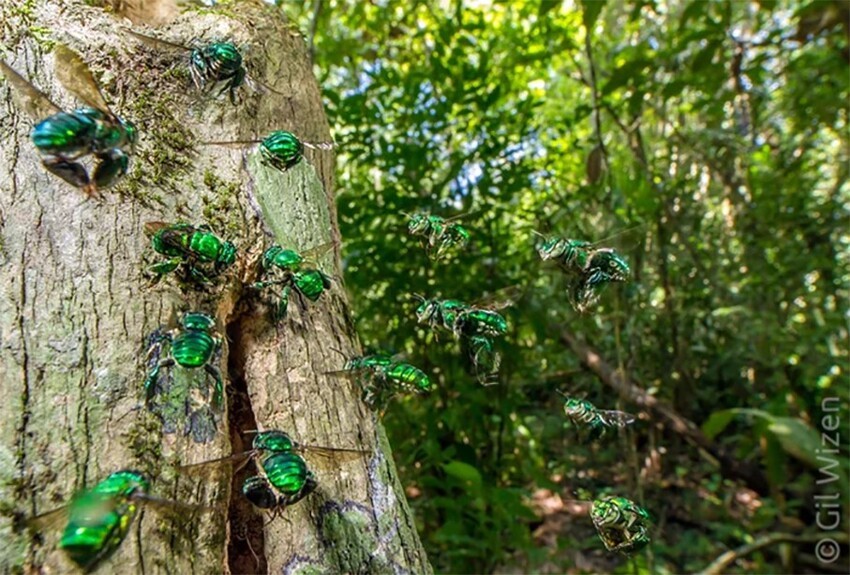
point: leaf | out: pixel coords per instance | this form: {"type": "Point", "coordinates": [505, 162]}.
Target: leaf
{"type": "Point", "coordinates": [717, 422]}
{"type": "Point", "coordinates": [594, 165]}
{"type": "Point", "coordinates": [463, 471]}
{"type": "Point", "coordinates": [796, 438]}
{"type": "Point", "coordinates": [547, 6]}
{"type": "Point", "coordinates": [590, 12]}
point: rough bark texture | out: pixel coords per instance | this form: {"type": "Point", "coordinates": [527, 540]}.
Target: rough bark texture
{"type": "Point", "coordinates": [75, 309]}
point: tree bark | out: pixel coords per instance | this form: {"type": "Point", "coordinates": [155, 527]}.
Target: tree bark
{"type": "Point", "coordinates": [76, 308]}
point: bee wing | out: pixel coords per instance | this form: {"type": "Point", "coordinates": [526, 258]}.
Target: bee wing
{"type": "Point", "coordinates": [338, 453]}
{"type": "Point", "coordinates": [152, 228]}
{"type": "Point", "coordinates": [49, 519]}
{"type": "Point", "coordinates": [349, 373]}
{"type": "Point", "coordinates": [151, 41]}
{"type": "Point", "coordinates": [74, 74]}
{"type": "Point", "coordinates": [212, 464]}
{"type": "Point", "coordinates": [615, 418]}
{"type": "Point", "coordinates": [501, 299]}
{"type": "Point", "coordinates": [169, 506]}
{"type": "Point", "coordinates": [34, 101]}
{"type": "Point", "coordinates": [462, 216]}
{"type": "Point", "coordinates": [172, 238]}
{"type": "Point", "coordinates": [318, 250]}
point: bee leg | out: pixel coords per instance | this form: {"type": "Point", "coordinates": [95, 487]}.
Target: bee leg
{"type": "Point", "coordinates": [112, 164]}
{"type": "Point", "coordinates": [152, 377]}
{"type": "Point", "coordinates": [218, 394]}
{"type": "Point", "coordinates": [72, 172]}
{"type": "Point", "coordinates": [236, 81]}
{"type": "Point", "coordinates": [283, 303]}
{"type": "Point", "coordinates": [165, 267]}
{"type": "Point", "coordinates": [198, 276]}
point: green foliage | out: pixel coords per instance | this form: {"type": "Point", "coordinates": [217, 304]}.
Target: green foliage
{"type": "Point", "coordinates": [718, 139]}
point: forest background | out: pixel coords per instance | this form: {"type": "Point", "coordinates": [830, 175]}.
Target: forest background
{"type": "Point", "coordinates": [709, 142]}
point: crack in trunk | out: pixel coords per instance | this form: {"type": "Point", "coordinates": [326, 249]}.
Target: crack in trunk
{"type": "Point", "coordinates": [246, 537]}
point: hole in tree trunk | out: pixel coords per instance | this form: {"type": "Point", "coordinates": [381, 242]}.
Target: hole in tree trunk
{"type": "Point", "coordinates": [246, 545]}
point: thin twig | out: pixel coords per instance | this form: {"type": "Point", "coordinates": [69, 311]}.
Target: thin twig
{"type": "Point", "coordinates": [720, 564]}
{"type": "Point", "coordinates": [314, 24]}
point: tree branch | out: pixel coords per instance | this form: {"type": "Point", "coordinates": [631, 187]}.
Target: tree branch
{"type": "Point", "coordinates": [720, 564]}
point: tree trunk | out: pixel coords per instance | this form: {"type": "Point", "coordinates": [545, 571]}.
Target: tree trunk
{"type": "Point", "coordinates": [76, 308]}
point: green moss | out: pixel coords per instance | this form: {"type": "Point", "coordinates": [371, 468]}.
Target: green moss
{"type": "Point", "coordinates": [221, 208]}
{"type": "Point", "coordinates": [351, 542]}
{"type": "Point", "coordinates": [164, 153]}
{"type": "Point", "coordinates": [144, 439]}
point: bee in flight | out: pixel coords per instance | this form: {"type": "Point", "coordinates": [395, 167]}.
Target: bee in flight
{"type": "Point", "coordinates": [583, 413]}
{"type": "Point", "coordinates": [62, 138]}
{"type": "Point", "coordinates": [475, 326]}
{"type": "Point", "coordinates": [621, 524]}
{"type": "Point", "coordinates": [99, 518]}
{"type": "Point", "coordinates": [382, 376]}
{"type": "Point", "coordinates": [589, 269]}
{"type": "Point", "coordinates": [282, 477]}
{"type": "Point", "coordinates": [438, 234]}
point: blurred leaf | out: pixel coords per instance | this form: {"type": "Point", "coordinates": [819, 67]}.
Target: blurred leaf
{"type": "Point", "coordinates": [547, 6]}
{"type": "Point", "coordinates": [464, 472]}
{"type": "Point", "coordinates": [590, 12]}
{"type": "Point", "coordinates": [717, 422]}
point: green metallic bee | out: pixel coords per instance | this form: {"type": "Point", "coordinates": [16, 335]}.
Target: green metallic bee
{"type": "Point", "coordinates": [621, 524]}
{"type": "Point", "coordinates": [193, 346]}
{"type": "Point", "coordinates": [99, 518]}
{"type": "Point", "coordinates": [202, 254]}
{"type": "Point", "coordinates": [283, 477]}
{"type": "Point", "coordinates": [216, 63]}
{"type": "Point", "coordinates": [281, 150]}
{"type": "Point", "coordinates": [474, 326]}
{"type": "Point", "coordinates": [583, 413]}
{"type": "Point", "coordinates": [440, 313]}
{"type": "Point", "coordinates": [571, 255]}
{"type": "Point", "coordinates": [62, 138]}
{"type": "Point", "coordinates": [438, 234]}
{"type": "Point", "coordinates": [589, 268]}
{"type": "Point", "coordinates": [283, 267]}
{"type": "Point", "coordinates": [604, 267]}
{"type": "Point", "coordinates": [484, 359]}
{"type": "Point", "coordinates": [381, 377]}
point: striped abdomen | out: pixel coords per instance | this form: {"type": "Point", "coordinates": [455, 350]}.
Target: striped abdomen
{"type": "Point", "coordinates": [67, 134]}
{"type": "Point", "coordinates": [193, 348]}
{"type": "Point", "coordinates": [408, 376]}
{"type": "Point", "coordinates": [286, 471]}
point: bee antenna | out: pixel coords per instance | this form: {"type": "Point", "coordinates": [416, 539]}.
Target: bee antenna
{"type": "Point", "coordinates": [417, 297]}
{"type": "Point", "coordinates": [562, 394]}
{"type": "Point", "coordinates": [338, 351]}
{"type": "Point", "coordinates": [251, 431]}
{"type": "Point", "coordinates": [536, 233]}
